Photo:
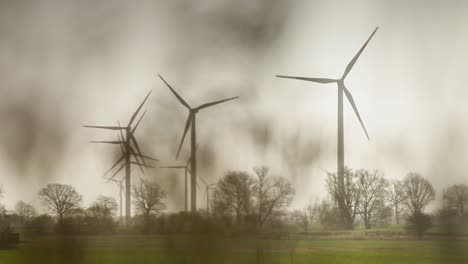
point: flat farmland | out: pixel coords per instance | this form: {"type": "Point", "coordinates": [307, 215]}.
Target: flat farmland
{"type": "Point", "coordinates": [202, 249]}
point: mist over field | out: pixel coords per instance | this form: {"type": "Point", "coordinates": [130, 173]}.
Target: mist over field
{"type": "Point", "coordinates": [69, 63]}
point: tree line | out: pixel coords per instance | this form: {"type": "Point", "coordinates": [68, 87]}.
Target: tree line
{"type": "Point", "coordinates": [66, 214]}
{"type": "Point", "coordinates": [248, 201]}
{"type": "Point", "coordinates": [374, 201]}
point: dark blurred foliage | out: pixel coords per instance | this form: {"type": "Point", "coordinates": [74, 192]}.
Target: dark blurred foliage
{"type": "Point", "coordinates": [418, 223]}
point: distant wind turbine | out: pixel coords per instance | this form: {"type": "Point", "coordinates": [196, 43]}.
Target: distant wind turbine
{"type": "Point", "coordinates": [191, 123]}
{"type": "Point", "coordinates": [186, 171]}
{"type": "Point", "coordinates": [208, 187]}
{"type": "Point", "coordinates": [130, 148]}
{"type": "Point", "coordinates": [121, 190]}
{"type": "Point", "coordinates": [341, 88]}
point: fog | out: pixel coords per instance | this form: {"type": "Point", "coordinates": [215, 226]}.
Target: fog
{"type": "Point", "coordinates": [68, 63]}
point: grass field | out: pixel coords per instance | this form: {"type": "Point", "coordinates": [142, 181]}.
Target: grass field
{"type": "Point", "coordinates": [164, 249]}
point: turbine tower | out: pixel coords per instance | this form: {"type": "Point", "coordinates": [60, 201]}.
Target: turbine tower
{"type": "Point", "coordinates": [186, 171]}
{"type": "Point", "coordinates": [341, 89]}
{"type": "Point", "coordinates": [121, 190]}
{"type": "Point", "coordinates": [191, 123]}
{"type": "Point", "coordinates": [208, 187]}
{"type": "Point", "coordinates": [130, 148]}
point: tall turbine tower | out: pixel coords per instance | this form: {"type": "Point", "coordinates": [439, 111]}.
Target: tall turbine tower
{"type": "Point", "coordinates": [192, 125]}
{"type": "Point", "coordinates": [341, 89]}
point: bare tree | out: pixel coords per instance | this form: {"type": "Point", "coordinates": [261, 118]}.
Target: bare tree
{"type": "Point", "coordinates": [456, 198]}
{"type": "Point", "coordinates": [263, 197]}
{"type": "Point", "coordinates": [60, 199]}
{"type": "Point", "coordinates": [312, 210]}
{"type": "Point", "coordinates": [301, 219]}
{"type": "Point", "coordinates": [3, 210]}
{"type": "Point", "coordinates": [372, 187]}
{"type": "Point", "coordinates": [148, 198]}
{"type": "Point", "coordinates": [383, 214]}
{"type": "Point", "coordinates": [396, 197]}
{"type": "Point", "coordinates": [234, 194]}
{"type": "Point", "coordinates": [24, 211]}
{"type": "Point", "coordinates": [418, 193]}
{"type": "Point", "coordinates": [327, 214]}
{"type": "Point", "coordinates": [350, 195]}
{"type": "Point", "coordinates": [273, 195]}
{"type": "Point", "coordinates": [104, 207]}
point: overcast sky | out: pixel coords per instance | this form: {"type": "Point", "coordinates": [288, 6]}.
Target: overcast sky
{"type": "Point", "coordinates": [69, 63]}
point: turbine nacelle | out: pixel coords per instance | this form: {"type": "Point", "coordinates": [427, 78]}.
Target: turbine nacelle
{"type": "Point", "coordinates": [192, 111]}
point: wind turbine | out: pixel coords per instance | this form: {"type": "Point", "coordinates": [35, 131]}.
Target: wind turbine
{"type": "Point", "coordinates": [341, 89]}
{"type": "Point", "coordinates": [130, 148]}
{"type": "Point", "coordinates": [207, 192]}
{"type": "Point", "coordinates": [186, 171]}
{"type": "Point", "coordinates": [121, 190]}
{"type": "Point", "coordinates": [191, 123]}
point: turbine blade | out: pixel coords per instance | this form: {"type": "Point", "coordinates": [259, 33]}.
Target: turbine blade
{"type": "Point", "coordinates": [215, 103]}
{"type": "Point", "coordinates": [139, 120]}
{"type": "Point", "coordinates": [133, 139]}
{"type": "Point", "coordinates": [121, 138]}
{"type": "Point", "coordinates": [106, 127]}
{"type": "Point", "coordinates": [141, 155]}
{"type": "Point", "coordinates": [114, 180]}
{"type": "Point", "coordinates": [146, 157]}
{"type": "Point", "coordinates": [327, 172]}
{"type": "Point", "coordinates": [356, 57]}
{"type": "Point", "coordinates": [113, 166]}
{"type": "Point", "coordinates": [353, 104]}
{"type": "Point", "coordinates": [204, 182]}
{"type": "Point", "coordinates": [137, 162]}
{"type": "Point", "coordinates": [108, 142]}
{"type": "Point", "coordinates": [110, 179]}
{"type": "Point", "coordinates": [135, 155]}
{"type": "Point", "coordinates": [317, 80]}
{"type": "Point", "coordinates": [138, 109]}
{"type": "Point", "coordinates": [187, 125]}
{"type": "Point", "coordinates": [121, 167]}
{"type": "Point", "coordinates": [190, 158]}
{"type": "Point", "coordinates": [122, 149]}
{"type": "Point", "coordinates": [132, 151]}
{"type": "Point", "coordinates": [172, 167]}
{"type": "Point", "coordinates": [143, 165]}
{"type": "Point", "coordinates": [181, 100]}
{"type": "Point", "coordinates": [121, 132]}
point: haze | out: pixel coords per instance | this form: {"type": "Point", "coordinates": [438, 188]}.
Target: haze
{"type": "Point", "coordinates": [68, 63]}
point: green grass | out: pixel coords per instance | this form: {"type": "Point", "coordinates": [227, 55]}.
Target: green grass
{"type": "Point", "coordinates": [158, 249]}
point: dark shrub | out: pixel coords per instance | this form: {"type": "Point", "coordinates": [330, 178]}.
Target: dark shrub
{"type": "Point", "coordinates": [418, 223]}
{"type": "Point", "coordinates": [40, 225]}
